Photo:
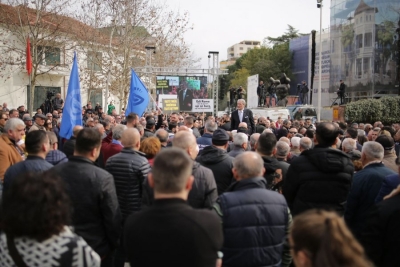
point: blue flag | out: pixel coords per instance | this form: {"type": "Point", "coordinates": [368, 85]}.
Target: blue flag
{"type": "Point", "coordinates": [72, 112]}
{"type": "Point", "coordinates": [138, 96]}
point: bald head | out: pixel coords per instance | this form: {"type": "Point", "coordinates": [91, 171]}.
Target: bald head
{"type": "Point", "coordinates": [187, 142]}
{"type": "Point", "coordinates": [248, 165]}
{"type": "Point", "coordinates": [76, 130]}
{"type": "Point", "coordinates": [184, 140]}
{"type": "Point", "coordinates": [162, 135]}
{"type": "Point", "coordinates": [131, 138]}
{"type": "Point", "coordinates": [243, 124]}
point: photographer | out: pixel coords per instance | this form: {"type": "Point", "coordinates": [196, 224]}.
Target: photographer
{"type": "Point", "coordinates": [240, 93]}
{"type": "Point", "coordinates": [341, 92]}
{"type": "Point", "coordinates": [57, 102]}
{"type": "Point", "coordinates": [272, 94]}
{"type": "Point", "coordinates": [261, 94]}
{"type": "Point", "coordinates": [304, 92]}
{"type": "Point", "coordinates": [232, 94]}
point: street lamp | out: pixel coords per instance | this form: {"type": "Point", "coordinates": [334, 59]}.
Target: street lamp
{"type": "Point", "coordinates": [319, 5]}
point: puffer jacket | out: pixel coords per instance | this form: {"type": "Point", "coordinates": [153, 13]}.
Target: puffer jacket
{"type": "Point", "coordinates": [96, 216]}
{"type": "Point", "coordinates": [318, 178]}
{"type": "Point", "coordinates": [55, 157]}
{"type": "Point", "coordinates": [255, 222]}
{"type": "Point", "coordinates": [130, 169]}
{"type": "Point", "coordinates": [204, 189]}
{"type": "Point", "coordinates": [220, 163]}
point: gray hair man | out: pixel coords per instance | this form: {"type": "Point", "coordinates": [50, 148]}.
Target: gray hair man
{"type": "Point", "coordinates": [205, 139]}
{"type": "Point", "coordinates": [246, 210]}
{"type": "Point", "coordinates": [163, 136]}
{"type": "Point", "coordinates": [204, 191]}
{"type": "Point", "coordinates": [37, 145]}
{"type": "Point", "coordinates": [281, 154]}
{"type": "Point", "coordinates": [253, 141]}
{"type": "Point", "coordinates": [111, 147]}
{"type": "Point", "coordinates": [365, 187]}
{"type": "Point", "coordinates": [11, 152]}
{"type": "Point", "coordinates": [240, 141]}
{"type": "Point", "coordinates": [242, 114]}
{"type": "Point", "coordinates": [305, 144]}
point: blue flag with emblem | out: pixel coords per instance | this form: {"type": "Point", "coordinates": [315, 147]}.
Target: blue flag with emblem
{"type": "Point", "coordinates": [138, 96]}
{"type": "Point", "coordinates": [72, 112]}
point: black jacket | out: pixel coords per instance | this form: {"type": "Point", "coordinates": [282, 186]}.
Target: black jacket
{"type": "Point", "coordinates": [171, 233]}
{"type": "Point", "coordinates": [381, 238]}
{"type": "Point", "coordinates": [318, 178]}
{"type": "Point", "coordinates": [247, 118]}
{"type": "Point", "coordinates": [255, 223]}
{"type": "Point", "coordinates": [204, 190]}
{"type": "Point", "coordinates": [96, 216]}
{"type": "Point", "coordinates": [221, 165]}
{"type": "Point", "coordinates": [129, 168]}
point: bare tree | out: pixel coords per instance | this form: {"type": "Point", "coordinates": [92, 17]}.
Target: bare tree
{"type": "Point", "coordinates": [130, 26]}
{"type": "Point", "coordinates": [46, 24]}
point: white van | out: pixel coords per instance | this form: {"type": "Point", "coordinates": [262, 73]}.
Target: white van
{"type": "Point", "coordinates": [272, 113]}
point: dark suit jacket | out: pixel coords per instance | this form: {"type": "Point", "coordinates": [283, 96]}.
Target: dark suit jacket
{"type": "Point", "coordinates": [185, 103]}
{"type": "Point", "coordinates": [171, 233]}
{"type": "Point", "coordinates": [247, 118]}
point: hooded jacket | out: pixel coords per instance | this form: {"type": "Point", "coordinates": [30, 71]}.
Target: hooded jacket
{"type": "Point", "coordinates": [220, 163]}
{"type": "Point", "coordinates": [318, 178]}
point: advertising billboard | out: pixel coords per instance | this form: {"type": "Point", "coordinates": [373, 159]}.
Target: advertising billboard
{"type": "Point", "coordinates": [184, 88]}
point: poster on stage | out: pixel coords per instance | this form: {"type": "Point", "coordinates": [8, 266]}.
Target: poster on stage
{"type": "Point", "coordinates": [252, 98]}
{"type": "Point", "coordinates": [202, 105]}
{"type": "Point", "coordinates": [170, 105]}
{"type": "Point", "coordinates": [162, 97]}
{"type": "Point", "coordinates": [184, 88]}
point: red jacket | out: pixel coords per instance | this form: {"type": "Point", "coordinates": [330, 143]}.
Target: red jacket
{"type": "Point", "coordinates": [108, 148]}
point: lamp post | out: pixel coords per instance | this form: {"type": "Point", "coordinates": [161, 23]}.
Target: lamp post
{"type": "Point", "coordinates": [319, 5]}
{"type": "Point", "coordinates": [149, 71]}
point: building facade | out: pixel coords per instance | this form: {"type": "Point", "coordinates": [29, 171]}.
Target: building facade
{"type": "Point", "coordinates": [237, 50]}
{"type": "Point", "coordinates": [360, 48]}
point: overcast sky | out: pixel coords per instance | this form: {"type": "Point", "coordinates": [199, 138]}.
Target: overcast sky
{"type": "Point", "coordinates": [218, 24]}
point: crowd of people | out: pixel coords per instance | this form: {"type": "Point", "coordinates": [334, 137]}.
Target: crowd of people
{"type": "Point", "coordinates": [185, 189]}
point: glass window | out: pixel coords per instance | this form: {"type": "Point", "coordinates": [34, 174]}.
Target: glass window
{"type": "Point", "coordinates": [94, 60]}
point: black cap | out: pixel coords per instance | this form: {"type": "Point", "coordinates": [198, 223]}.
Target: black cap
{"type": "Point", "coordinates": [386, 141]}
{"type": "Point", "coordinates": [220, 137]}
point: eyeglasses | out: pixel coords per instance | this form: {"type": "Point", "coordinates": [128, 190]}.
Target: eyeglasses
{"type": "Point", "coordinates": [293, 132]}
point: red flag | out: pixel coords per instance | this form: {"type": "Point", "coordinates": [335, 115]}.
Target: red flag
{"type": "Point", "coordinates": [28, 57]}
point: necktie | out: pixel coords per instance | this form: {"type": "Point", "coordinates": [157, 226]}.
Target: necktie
{"type": "Point", "coordinates": [240, 115]}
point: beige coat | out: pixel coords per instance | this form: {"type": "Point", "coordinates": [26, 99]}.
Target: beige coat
{"type": "Point", "coordinates": [9, 155]}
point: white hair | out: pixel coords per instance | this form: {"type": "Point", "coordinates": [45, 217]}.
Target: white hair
{"type": "Point", "coordinates": [295, 141]}
{"type": "Point", "coordinates": [305, 143]}
{"type": "Point", "coordinates": [373, 150]}
{"type": "Point", "coordinates": [349, 144]}
{"type": "Point", "coordinates": [12, 124]}
{"type": "Point", "coordinates": [282, 149]}
{"type": "Point", "coordinates": [243, 101]}
{"type": "Point", "coordinates": [117, 131]}
{"type": "Point", "coordinates": [267, 131]}
{"type": "Point", "coordinates": [239, 139]}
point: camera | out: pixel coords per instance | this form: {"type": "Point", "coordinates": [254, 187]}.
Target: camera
{"type": "Point", "coordinates": [50, 94]}
{"type": "Point", "coordinates": [298, 86]}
